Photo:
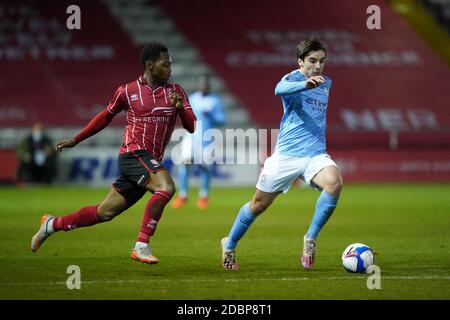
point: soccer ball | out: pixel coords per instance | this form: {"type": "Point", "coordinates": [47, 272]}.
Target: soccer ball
{"type": "Point", "coordinates": [357, 257]}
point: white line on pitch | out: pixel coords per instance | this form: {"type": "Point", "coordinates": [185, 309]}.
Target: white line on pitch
{"type": "Point", "coordinates": [425, 277]}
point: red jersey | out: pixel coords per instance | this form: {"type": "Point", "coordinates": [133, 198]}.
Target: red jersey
{"type": "Point", "coordinates": [150, 116]}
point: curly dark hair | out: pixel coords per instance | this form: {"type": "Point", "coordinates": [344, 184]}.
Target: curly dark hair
{"type": "Point", "coordinates": [152, 52]}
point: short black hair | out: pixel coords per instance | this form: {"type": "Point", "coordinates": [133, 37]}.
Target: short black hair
{"type": "Point", "coordinates": [152, 51]}
{"type": "Point", "coordinates": [309, 45]}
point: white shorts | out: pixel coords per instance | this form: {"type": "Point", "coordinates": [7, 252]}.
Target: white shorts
{"type": "Point", "coordinates": [187, 150]}
{"type": "Point", "coordinates": [191, 153]}
{"type": "Point", "coordinates": [281, 170]}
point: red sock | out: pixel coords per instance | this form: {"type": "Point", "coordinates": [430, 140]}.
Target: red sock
{"type": "Point", "coordinates": [84, 217]}
{"type": "Point", "coordinates": [152, 214]}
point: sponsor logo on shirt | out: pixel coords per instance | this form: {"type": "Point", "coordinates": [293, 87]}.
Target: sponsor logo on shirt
{"type": "Point", "coordinates": [154, 119]}
{"type": "Point", "coordinates": [317, 104]}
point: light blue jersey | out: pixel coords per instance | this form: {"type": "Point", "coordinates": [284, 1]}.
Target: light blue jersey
{"type": "Point", "coordinates": [209, 111]}
{"type": "Point", "coordinates": [303, 125]}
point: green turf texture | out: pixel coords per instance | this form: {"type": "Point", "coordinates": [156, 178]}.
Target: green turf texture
{"type": "Point", "coordinates": [407, 225]}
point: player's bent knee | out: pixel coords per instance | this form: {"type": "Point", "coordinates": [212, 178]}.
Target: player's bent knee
{"type": "Point", "coordinates": [168, 188]}
{"type": "Point", "coordinates": [334, 187]}
{"type": "Point", "coordinates": [259, 206]}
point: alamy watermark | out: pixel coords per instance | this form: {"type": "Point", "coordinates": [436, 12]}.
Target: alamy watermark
{"type": "Point", "coordinates": [74, 20]}
{"type": "Point", "coordinates": [374, 281]}
{"type": "Point", "coordinates": [228, 146]}
{"type": "Point", "coordinates": [74, 280]}
{"type": "Point", "coordinates": [374, 20]}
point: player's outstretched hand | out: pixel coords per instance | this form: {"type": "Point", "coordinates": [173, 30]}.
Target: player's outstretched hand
{"type": "Point", "coordinates": [65, 144]}
{"type": "Point", "coordinates": [314, 82]}
{"type": "Point", "coordinates": [176, 99]}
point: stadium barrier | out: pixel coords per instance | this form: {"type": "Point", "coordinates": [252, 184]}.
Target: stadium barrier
{"type": "Point", "coordinates": [8, 165]}
{"type": "Point", "coordinates": [97, 167]}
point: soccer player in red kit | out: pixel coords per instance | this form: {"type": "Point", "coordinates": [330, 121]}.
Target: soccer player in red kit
{"type": "Point", "coordinates": [151, 105]}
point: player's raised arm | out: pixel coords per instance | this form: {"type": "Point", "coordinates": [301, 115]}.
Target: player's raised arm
{"type": "Point", "coordinates": [287, 86]}
{"type": "Point", "coordinates": [98, 123]}
{"type": "Point", "coordinates": [179, 100]}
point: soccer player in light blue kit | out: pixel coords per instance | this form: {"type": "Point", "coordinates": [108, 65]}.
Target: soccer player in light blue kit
{"type": "Point", "coordinates": [300, 152]}
{"type": "Point", "coordinates": [209, 110]}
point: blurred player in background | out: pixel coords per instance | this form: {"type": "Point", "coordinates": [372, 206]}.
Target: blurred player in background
{"type": "Point", "coordinates": [300, 152]}
{"type": "Point", "coordinates": [209, 110]}
{"type": "Point", "coordinates": [152, 106]}
{"type": "Point", "coordinates": [37, 157]}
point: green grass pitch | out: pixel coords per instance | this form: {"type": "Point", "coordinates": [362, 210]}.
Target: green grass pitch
{"type": "Point", "coordinates": [407, 225]}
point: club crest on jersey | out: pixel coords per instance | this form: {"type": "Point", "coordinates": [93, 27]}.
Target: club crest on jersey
{"type": "Point", "coordinates": [325, 90]}
{"type": "Point", "coordinates": [263, 179]}
{"type": "Point", "coordinates": [134, 97]}
{"type": "Point", "coordinates": [154, 162]}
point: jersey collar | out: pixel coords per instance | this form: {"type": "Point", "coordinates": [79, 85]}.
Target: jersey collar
{"type": "Point", "coordinates": [154, 87]}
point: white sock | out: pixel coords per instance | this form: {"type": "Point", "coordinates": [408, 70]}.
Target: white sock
{"type": "Point", "coordinates": [50, 226]}
{"type": "Point", "coordinates": [140, 245]}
